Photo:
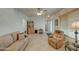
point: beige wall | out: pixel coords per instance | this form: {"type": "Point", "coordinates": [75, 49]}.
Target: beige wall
{"type": "Point", "coordinates": [66, 21]}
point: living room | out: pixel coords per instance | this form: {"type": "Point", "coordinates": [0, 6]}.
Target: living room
{"type": "Point", "coordinates": [30, 24]}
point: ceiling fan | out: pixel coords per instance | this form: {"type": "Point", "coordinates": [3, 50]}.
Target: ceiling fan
{"type": "Point", "coordinates": [41, 11]}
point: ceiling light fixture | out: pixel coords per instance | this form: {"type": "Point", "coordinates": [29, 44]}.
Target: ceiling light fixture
{"type": "Point", "coordinates": [39, 14]}
{"type": "Point", "coordinates": [41, 11]}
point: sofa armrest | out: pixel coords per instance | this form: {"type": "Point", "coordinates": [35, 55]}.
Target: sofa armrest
{"type": "Point", "coordinates": [15, 46]}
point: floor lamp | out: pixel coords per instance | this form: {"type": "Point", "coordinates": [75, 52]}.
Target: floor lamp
{"type": "Point", "coordinates": [75, 25]}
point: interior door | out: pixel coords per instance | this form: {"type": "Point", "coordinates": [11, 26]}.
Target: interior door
{"type": "Point", "coordinates": [30, 27]}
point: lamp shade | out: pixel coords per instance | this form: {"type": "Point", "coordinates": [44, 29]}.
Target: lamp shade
{"type": "Point", "coordinates": [75, 25]}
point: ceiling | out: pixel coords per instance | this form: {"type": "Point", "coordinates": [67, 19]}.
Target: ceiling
{"type": "Point", "coordinates": [31, 11]}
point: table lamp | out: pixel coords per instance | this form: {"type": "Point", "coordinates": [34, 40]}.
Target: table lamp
{"type": "Point", "coordinates": [75, 25]}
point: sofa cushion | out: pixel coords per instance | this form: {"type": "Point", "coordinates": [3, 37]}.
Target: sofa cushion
{"type": "Point", "coordinates": [5, 41]}
{"type": "Point", "coordinates": [17, 45]}
{"type": "Point", "coordinates": [25, 45]}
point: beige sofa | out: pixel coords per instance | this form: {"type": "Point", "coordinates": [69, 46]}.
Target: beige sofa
{"type": "Point", "coordinates": [9, 42]}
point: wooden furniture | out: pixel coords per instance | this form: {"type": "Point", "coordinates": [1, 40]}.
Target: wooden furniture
{"type": "Point", "coordinates": [56, 40]}
{"type": "Point", "coordinates": [21, 35]}
{"type": "Point", "coordinates": [30, 27]}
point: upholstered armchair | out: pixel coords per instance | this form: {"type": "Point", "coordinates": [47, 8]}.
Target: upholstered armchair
{"type": "Point", "coordinates": [56, 40]}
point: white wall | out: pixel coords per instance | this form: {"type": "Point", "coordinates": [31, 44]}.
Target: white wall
{"type": "Point", "coordinates": [39, 22]}
{"type": "Point", "coordinates": [11, 20]}
{"type": "Point", "coordinates": [53, 25]}
{"type": "Point", "coordinates": [50, 25]}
